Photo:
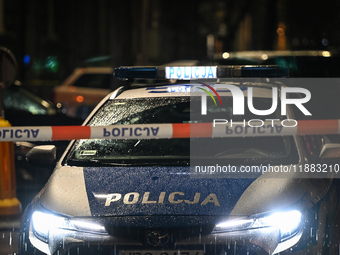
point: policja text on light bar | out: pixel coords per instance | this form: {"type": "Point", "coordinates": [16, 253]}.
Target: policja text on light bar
{"type": "Point", "coordinates": [198, 72]}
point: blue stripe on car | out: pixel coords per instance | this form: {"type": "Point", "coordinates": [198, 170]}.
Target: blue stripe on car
{"type": "Point", "coordinates": [106, 188]}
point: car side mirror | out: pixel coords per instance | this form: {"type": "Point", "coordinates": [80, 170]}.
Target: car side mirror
{"type": "Point", "coordinates": [42, 155]}
{"type": "Point", "coordinates": [330, 152]}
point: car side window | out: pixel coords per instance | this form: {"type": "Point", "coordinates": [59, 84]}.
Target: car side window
{"type": "Point", "coordinates": [19, 100]}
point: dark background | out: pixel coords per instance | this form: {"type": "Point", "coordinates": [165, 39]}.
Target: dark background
{"type": "Point", "coordinates": [52, 37]}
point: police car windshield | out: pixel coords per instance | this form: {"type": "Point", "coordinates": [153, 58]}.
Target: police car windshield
{"type": "Point", "coordinates": [174, 151]}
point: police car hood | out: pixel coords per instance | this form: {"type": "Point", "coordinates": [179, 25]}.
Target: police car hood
{"type": "Point", "coordinates": [124, 191]}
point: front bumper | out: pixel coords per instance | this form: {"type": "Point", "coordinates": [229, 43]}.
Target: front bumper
{"type": "Point", "coordinates": [123, 240]}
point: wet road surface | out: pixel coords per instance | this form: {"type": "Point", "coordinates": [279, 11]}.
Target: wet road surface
{"type": "Point", "coordinates": [9, 235]}
{"type": "Point", "coordinates": [10, 226]}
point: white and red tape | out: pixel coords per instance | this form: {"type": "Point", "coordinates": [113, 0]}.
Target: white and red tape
{"type": "Point", "coordinates": [180, 130]}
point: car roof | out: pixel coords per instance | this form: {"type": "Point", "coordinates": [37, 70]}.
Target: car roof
{"type": "Point", "coordinates": [260, 90]}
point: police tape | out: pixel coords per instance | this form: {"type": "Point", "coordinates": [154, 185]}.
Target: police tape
{"type": "Point", "coordinates": [175, 130]}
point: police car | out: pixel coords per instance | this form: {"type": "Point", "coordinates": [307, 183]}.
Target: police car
{"type": "Point", "coordinates": [163, 181]}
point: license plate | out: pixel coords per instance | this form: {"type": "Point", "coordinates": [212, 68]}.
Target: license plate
{"type": "Point", "coordinates": [162, 252]}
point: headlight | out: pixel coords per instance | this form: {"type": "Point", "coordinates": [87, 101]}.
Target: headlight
{"type": "Point", "coordinates": [288, 222]}
{"type": "Point", "coordinates": [43, 222]}
{"type": "Point", "coordinates": [233, 225]}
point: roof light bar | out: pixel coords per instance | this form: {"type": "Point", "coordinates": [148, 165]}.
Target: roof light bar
{"type": "Point", "coordinates": [142, 72]}
{"type": "Point", "coordinates": [199, 72]}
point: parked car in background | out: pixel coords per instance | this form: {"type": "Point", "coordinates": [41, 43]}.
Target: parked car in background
{"type": "Point", "coordinates": [84, 89]}
{"type": "Point", "coordinates": [22, 107]}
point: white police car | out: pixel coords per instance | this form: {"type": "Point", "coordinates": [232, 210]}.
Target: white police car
{"type": "Point", "coordinates": [147, 189]}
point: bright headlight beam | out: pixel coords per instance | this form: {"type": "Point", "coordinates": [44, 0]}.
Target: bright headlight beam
{"type": "Point", "coordinates": [287, 222]}
{"type": "Point", "coordinates": [43, 222]}
{"type": "Point", "coordinates": [233, 225]}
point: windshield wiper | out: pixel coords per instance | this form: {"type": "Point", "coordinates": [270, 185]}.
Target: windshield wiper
{"type": "Point", "coordinates": [96, 162]}
{"type": "Point", "coordinates": [92, 162]}
{"type": "Point", "coordinates": [243, 153]}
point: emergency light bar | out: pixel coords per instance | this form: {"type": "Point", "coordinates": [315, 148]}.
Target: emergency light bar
{"type": "Point", "coordinates": [199, 72]}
